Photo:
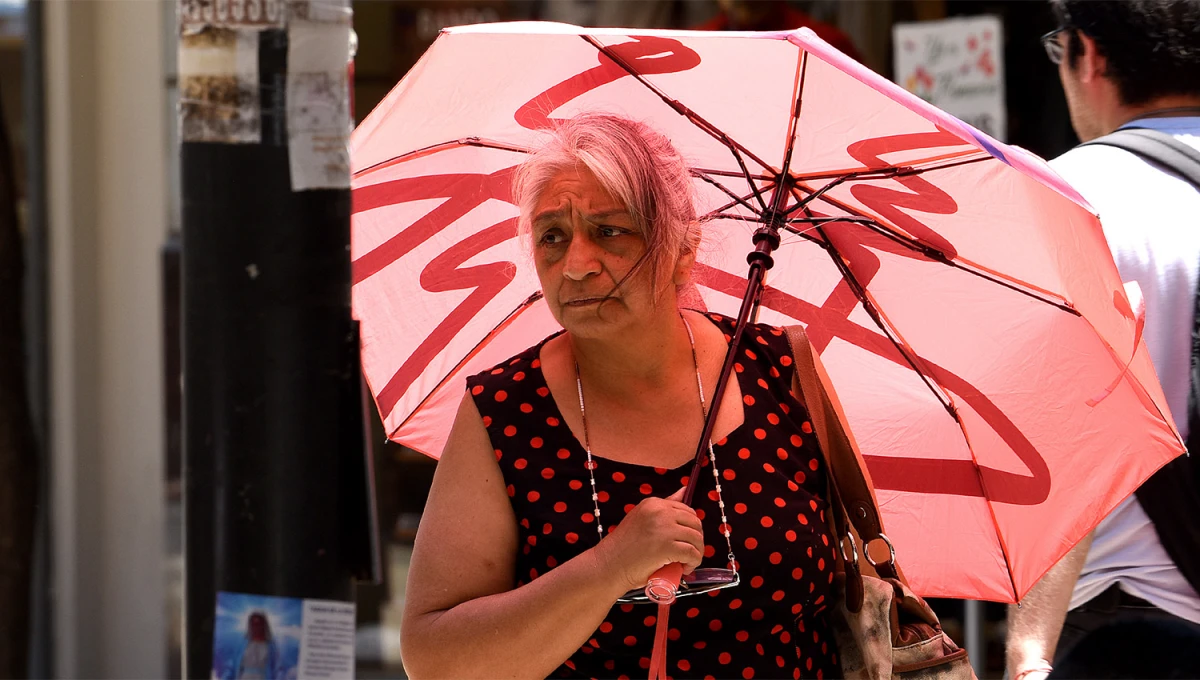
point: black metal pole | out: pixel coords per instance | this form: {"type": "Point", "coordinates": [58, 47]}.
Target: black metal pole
{"type": "Point", "coordinates": [271, 374]}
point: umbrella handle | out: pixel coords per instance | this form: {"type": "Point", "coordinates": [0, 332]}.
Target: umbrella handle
{"type": "Point", "coordinates": [664, 583]}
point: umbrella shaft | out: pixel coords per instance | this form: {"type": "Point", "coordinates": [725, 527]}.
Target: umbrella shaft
{"type": "Point", "coordinates": [754, 287]}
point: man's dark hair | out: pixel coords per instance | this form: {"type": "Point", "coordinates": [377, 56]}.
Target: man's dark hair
{"type": "Point", "coordinates": [1152, 46]}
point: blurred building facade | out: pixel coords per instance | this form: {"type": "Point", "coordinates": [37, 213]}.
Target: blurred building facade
{"type": "Point", "coordinates": [106, 151]}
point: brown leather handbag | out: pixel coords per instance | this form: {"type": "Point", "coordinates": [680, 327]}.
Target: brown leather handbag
{"type": "Point", "coordinates": [883, 629]}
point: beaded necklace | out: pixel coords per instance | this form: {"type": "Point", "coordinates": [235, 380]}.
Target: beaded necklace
{"type": "Point", "coordinates": [712, 456]}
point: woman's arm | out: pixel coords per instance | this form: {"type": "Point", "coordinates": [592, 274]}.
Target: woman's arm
{"type": "Point", "coordinates": [462, 616]}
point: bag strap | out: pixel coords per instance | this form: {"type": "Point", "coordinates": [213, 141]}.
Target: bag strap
{"type": "Point", "coordinates": [1182, 159]}
{"type": "Point", "coordinates": [851, 482]}
{"type": "Point", "coordinates": [855, 592]}
{"type": "Point", "coordinates": [1157, 147]}
{"type": "Point", "coordinates": [1173, 491]}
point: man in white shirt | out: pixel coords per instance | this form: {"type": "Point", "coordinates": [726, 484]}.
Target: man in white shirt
{"type": "Point", "coordinates": [1122, 64]}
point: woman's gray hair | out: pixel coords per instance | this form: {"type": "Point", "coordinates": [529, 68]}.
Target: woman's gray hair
{"type": "Point", "coordinates": [637, 165]}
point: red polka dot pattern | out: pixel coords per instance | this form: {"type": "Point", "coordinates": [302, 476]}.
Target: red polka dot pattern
{"type": "Point", "coordinates": [772, 478]}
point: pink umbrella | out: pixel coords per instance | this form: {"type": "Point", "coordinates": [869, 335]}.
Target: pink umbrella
{"type": "Point", "coordinates": [961, 295]}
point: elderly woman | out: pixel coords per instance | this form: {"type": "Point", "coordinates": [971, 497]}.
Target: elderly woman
{"type": "Point", "coordinates": [559, 487]}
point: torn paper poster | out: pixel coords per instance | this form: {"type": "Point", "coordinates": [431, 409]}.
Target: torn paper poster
{"type": "Point", "coordinates": [256, 14]}
{"type": "Point", "coordinates": [262, 636]}
{"type": "Point", "coordinates": [318, 104]}
{"type": "Point", "coordinates": [218, 86]}
{"type": "Point", "coordinates": [323, 11]}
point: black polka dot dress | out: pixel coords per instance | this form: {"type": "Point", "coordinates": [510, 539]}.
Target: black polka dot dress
{"type": "Point", "coordinates": [773, 624]}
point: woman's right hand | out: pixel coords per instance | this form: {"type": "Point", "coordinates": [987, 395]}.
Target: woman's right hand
{"type": "Point", "coordinates": [657, 532]}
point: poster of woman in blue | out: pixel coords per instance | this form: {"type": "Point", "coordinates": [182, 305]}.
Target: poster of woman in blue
{"type": "Point", "coordinates": [256, 637]}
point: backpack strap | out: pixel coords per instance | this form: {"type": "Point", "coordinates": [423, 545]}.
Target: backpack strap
{"type": "Point", "coordinates": [1157, 147]}
{"type": "Point", "coordinates": [1173, 492]}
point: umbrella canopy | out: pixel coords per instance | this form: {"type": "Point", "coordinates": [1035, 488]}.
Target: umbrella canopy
{"type": "Point", "coordinates": [960, 294]}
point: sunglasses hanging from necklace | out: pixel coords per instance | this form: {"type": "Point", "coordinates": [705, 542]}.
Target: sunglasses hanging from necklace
{"type": "Point", "coordinates": [700, 580]}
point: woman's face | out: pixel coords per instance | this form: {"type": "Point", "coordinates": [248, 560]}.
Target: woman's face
{"type": "Point", "coordinates": [584, 243]}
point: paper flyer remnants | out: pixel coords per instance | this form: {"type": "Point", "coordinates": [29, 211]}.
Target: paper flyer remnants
{"type": "Point", "coordinates": [328, 647]}
{"type": "Point", "coordinates": [956, 65]}
{"type": "Point", "coordinates": [233, 13]}
{"type": "Point", "coordinates": [280, 638]}
{"type": "Point", "coordinates": [222, 84]}
{"type": "Point", "coordinates": [318, 104]}
{"type": "Point", "coordinates": [218, 86]}
{"type": "Point", "coordinates": [320, 47]}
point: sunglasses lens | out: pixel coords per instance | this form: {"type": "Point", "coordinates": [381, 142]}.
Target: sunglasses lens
{"type": "Point", "coordinates": [704, 580]}
{"type": "Point", "coordinates": [699, 581]}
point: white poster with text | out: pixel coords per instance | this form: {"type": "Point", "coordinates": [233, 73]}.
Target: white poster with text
{"type": "Point", "coordinates": [264, 636]}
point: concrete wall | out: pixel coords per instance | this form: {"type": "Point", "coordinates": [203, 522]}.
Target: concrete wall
{"type": "Point", "coordinates": [106, 142]}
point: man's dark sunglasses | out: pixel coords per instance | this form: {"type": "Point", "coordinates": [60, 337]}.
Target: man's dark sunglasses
{"type": "Point", "coordinates": [1054, 48]}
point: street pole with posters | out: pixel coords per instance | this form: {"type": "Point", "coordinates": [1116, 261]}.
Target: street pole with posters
{"type": "Point", "coordinates": [277, 514]}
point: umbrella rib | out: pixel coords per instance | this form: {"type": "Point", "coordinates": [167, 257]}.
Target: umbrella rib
{"type": "Point", "coordinates": [912, 168]}
{"type": "Point", "coordinates": [802, 203]}
{"type": "Point", "coordinates": [696, 119]}
{"type": "Point", "coordinates": [730, 173]}
{"type": "Point", "coordinates": [958, 263]}
{"type": "Point", "coordinates": [720, 213]}
{"type": "Point", "coordinates": [504, 323]}
{"type": "Point", "coordinates": [725, 190]}
{"type": "Point", "coordinates": [794, 119]}
{"type": "Point", "coordinates": [892, 334]}
{"type": "Point", "coordinates": [740, 200]}
{"type": "Point", "coordinates": [441, 146]}
{"type": "Point", "coordinates": [936, 256]}
{"type": "Point", "coordinates": [983, 489]}
{"type": "Point", "coordinates": [909, 356]}
{"type": "Point", "coordinates": [755, 192]}
{"type": "Point", "coordinates": [815, 222]}
{"type": "Point", "coordinates": [871, 174]}
{"type": "Point", "coordinates": [889, 171]}
{"type": "Point", "coordinates": [679, 108]}
{"type": "Point", "coordinates": [746, 173]}
{"type": "Point", "coordinates": [991, 510]}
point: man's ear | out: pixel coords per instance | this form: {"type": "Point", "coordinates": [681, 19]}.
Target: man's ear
{"type": "Point", "coordinates": [1091, 64]}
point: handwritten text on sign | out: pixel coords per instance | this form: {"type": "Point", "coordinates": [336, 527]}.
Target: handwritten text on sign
{"type": "Point", "coordinates": [958, 66]}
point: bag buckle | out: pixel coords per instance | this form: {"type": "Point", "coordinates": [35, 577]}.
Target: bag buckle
{"type": "Point", "coordinates": [891, 560]}
{"type": "Point", "coordinates": [853, 557]}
